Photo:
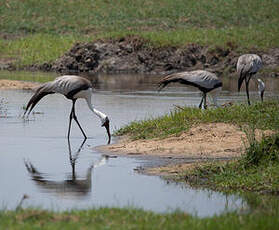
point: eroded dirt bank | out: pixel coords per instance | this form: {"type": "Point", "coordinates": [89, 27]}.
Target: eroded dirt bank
{"type": "Point", "coordinates": [201, 142]}
{"type": "Point", "coordinates": [132, 54]}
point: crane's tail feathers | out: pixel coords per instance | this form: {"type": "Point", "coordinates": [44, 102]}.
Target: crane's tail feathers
{"type": "Point", "coordinates": [39, 94]}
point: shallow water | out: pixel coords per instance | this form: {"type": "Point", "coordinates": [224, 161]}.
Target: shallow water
{"type": "Point", "coordinates": [89, 179]}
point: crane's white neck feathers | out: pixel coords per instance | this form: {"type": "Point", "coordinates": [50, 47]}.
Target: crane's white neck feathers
{"type": "Point", "coordinates": [87, 94]}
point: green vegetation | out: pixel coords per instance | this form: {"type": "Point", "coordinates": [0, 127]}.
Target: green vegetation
{"type": "Point", "coordinates": [113, 218]}
{"type": "Point", "coordinates": [257, 170]}
{"type": "Point", "coordinates": [41, 30]}
{"type": "Point", "coordinates": [259, 115]}
{"type": "Point", "coordinates": [85, 17]}
{"type": "Point", "coordinates": [36, 48]}
{"type": "Point", "coordinates": [27, 76]}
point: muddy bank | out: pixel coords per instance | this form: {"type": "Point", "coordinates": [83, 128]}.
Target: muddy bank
{"type": "Point", "coordinates": [133, 55]}
{"type": "Point", "coordinates": [212, 141]}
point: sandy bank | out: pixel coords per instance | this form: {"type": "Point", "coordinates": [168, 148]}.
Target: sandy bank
{"type": "Point", "coordinates": [204, 141]}
{"type": "Point", "coordinates": [15, 84]}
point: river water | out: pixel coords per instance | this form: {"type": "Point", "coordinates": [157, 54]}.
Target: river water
{"type": "Point", "coordinates": [37, 160]}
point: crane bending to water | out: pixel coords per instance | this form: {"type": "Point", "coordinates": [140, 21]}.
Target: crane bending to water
{"type": "Point", "coordinates": [203, 80]}
{"type": "Point", "coordinates": [247, 66]}
{"type": "Point", "coordinates": [72, 87]}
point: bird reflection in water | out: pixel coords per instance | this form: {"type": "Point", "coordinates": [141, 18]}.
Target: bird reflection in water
{"type": "Point", "coordinates": [73, 186]}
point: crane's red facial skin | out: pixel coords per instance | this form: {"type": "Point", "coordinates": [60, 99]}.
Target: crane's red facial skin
{"type": "Point", "coordinates": [106, 125]}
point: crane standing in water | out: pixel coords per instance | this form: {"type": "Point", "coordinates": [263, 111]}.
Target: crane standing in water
{"type": "Point", "coordinates": [203, 80]}
{"type": "Point", "coordinates": [247, 66]}
{"type": "Point", "coordinates": [72, 87]}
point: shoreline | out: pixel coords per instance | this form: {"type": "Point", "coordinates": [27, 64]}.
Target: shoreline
{"type": "Point", "coordinates": [200, 144]}
{"type": "Point", "coordinates": [17, 84]}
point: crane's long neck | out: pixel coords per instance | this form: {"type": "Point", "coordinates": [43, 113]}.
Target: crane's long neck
{"type": "Point", "coordinates": [101, 115]}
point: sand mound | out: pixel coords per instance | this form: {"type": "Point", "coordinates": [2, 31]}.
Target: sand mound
{"type": "Point", "coordinates": [204, 140]}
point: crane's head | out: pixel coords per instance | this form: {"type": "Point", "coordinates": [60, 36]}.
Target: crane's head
{"type": "Point", "coordinates": [106, 125]}
{"type": "Point", "coordinates": [215, 94]}
{"type": "Point", "coordinates": [261, 87]}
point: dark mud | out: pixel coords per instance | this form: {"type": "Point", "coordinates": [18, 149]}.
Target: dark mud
{"type": "Point", "coordinates": [133, 55]}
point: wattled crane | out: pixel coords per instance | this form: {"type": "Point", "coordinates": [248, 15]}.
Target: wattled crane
{"type": "Point", "coordinates": [247, 66]}
{"type": "Point", "coordinates": [203, 80]}
{"type": "Point", "coordinates": [72, 87]}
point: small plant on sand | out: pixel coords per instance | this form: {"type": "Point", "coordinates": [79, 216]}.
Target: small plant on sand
{"type": "Point", "coordinates": [265, 151]}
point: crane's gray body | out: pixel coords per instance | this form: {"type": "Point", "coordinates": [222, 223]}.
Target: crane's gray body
{"type": "Point", "coordinates": [203, 80]}
{"type": "Point", "coordinates": [249, 64]}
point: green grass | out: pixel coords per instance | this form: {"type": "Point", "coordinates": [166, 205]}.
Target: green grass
{"type": "Point", "coordinates": [105, 218]}
{"type": "Point", "coordinates": [257, 170]}
{"type": "Point", "coordinates": [28, 76]}
{"type": "Point", "coordinates": [37, 48]}
{"type": "Point", "coordinates": [43, 30]}
{"type": "Point", "coordinates": [79, 17]}
{"type": "Point", "coordinates": [259, 115]}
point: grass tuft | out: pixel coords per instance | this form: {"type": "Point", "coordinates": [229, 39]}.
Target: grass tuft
{"type": "Point", "coordinates": [257, 170]}
{"type": "Point", "coordinates": [128, 218]}
{"type": "Point", "coordinates": [260, 115]}
{"type": "Point", "coordinates": [265, 151]}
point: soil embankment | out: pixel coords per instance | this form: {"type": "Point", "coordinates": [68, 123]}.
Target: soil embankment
{"type": "Point", "coordinates": [132, 55]}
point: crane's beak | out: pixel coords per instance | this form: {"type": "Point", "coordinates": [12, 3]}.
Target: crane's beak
{"type": "Point", "coordinates": [262, 95]}
{"type": "Point", "coordinates": [106, 125]}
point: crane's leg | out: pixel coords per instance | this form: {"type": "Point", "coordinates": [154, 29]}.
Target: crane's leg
{"type": "Point", "coordinates": [247, 89]}
{"type": "Point", "coordinates": [70, 122]}
{"type": "Point", "coordinates": [75, 118]}
{"type": "Point", "coordinates": [73, 115]}
{"type": "Point", "coordinates": [200, 105]}
{"type": "Point", "coordinates": [204, 102]}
